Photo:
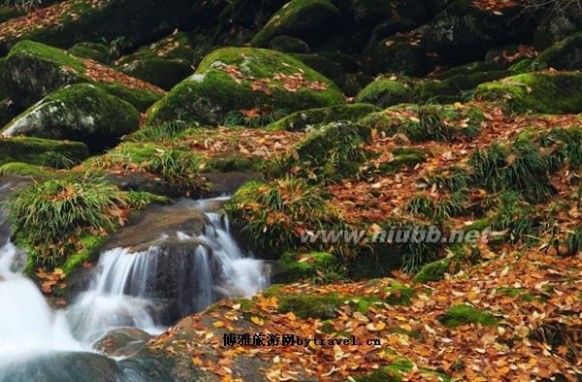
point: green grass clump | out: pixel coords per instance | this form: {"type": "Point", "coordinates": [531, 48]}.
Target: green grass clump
{"type": "Point", "coordinates": [463, 314]}
{"type": "Point", "coordinates": [175, 166]}
{"type": "Point", "coordinates": [433, 271]}
{"type": "Point", "coordinates": [47, 214]}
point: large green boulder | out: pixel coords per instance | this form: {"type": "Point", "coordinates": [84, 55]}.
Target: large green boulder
{"type": "Point", "coordinates": [81, 112]}
{"type": "Point", "coordinates": [42, 152]}
{"type": "Point", "coordinates": [92, 51]}
{"type": "Point", "coordinates": [463, 32]}
{"type": "Point", "coordinates": [33, 70]}
{"type": "Point", "coordinates": [310, 20]}
{"type": "Point", "coordinates": [161, 72]}
{"type": "Point", "coordinates": [234, 80]}
{"type": "Point", "coordinates": [544, 92]}
{"type": "Point", "coordinates": [388, 91]}
{"type": "Point", "coordinates": [564, 55]}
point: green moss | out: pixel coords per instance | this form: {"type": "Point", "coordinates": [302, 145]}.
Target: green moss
{"type": "Point", "coordinates": [464, 314]}
{"type": "Point", "coordinates": [404, 157]}
{"type": "Point", "coordinates": [302, 120]}
{"type": "Point", "coordinates": [25, 169]}
{"type": "Point", "coordinates": [315, 266]}
{"type": "Point", "coordinates": [331, 152]}
{"type": "Point", "coordinates": [89, 246]}
{"type": "Point", "coordinates": [92, 51]}
{"type": "Point", "coordinates": [564, 55]}
{"type": "Point", "coordinates": [298, 18]}
{"type": "Point", "coordinates": [289, 44]}
{"type": "Point", "coordinates": [161, 72]}
{"type": "Point", "coordinates": [392, 373]}
{"type": "Point", "coordinates": [434, 271]}
{"type": "Point", "coordinates": [233, 79]}
{"type": "Point", "coordinates": [42, 152]}
{"type": "Point", "coordinates": [550, 93]}
{"type": "Point", "coordinates": [141, 99]}
{"type": "Point", "coordinates": [456, 86]}
{"type": "Point", "coordinates": [49, 53]}
{"type": "Point", "coordinates": [386, 91]}
{"type": "Point", "coordinates": [400, 295]}
{"type": "Point", "coordinates": [308, 306]}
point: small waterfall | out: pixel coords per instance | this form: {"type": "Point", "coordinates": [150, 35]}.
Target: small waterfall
{"type": "Point", "coordinates": [153, 288]}
{"type": "Point", "coordinates": [28, 326]}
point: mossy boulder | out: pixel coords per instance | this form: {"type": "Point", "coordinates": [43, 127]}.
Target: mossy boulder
{"type": "Point", "coordinates": [544, 92]}
{"type": "Point", "coordinates": [564, 55]}
{"type": "Point", "coordinates": [457, 87]}
{"type": "Point", "coordinates": [301, 120]}
{"type": "Point", "coordinates": [310, 20]}
{"type": "Point", "coordinates": [42, 152]}
{"type": "Point", "coordinates": [388, 91]}
{"type": "Point", "coordinates": [404, 55]}
{"type": "Point", "coordinates": [464, 32]}
{"type": "Point", "coordinates": [289, 44]}
{"type": "Point", "coordinates": [91, 50]}
{"type": "Point", "coordinates": [161, 72]}
{"type": "Point", "coordinates": [33, 70]}
{"type": "Point", "coordinates": [233, 79]}
{"type": "Point", "coordinates": [81, 112]}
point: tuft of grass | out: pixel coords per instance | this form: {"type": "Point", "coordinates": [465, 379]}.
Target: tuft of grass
{"type": "Point", "coordinates": [47, 214]}
{"type": "Point", "coordinates": [175, 166]}
{"type": "Point", "coordinates": [160, 133]}
{"type": "Point", "coordinates": [574, 242]}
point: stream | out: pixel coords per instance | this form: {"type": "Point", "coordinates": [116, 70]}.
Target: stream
{"type": "Point", "coordinates": [126, 290]}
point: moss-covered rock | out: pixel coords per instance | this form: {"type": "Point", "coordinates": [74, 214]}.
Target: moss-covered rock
{"type": "Point", "coordinates": [233, 79]}
{"type": "Point", "coordinates": [314, 266]}
{"type": "Point", "coordinates": [42, 152]}
{"type": "Point", "coordinates": [164, 73]}
{"type": "Point", "coordinates": [326, 66]}
{"type": "Point", "coordinates": [137, 24]}
{"type": "Point", "coordinates": [388, 91]}
{"type": "Point", "coordinates": [432, 271]}
{"type": "Point", "coordinates": [557, 24]}
{"type": "Point", "coordinates": [81, 112]}
{"type": "Point", "coordinates": [92, 51]}
{"type": "Point", "coordinates": [465, 314]}
{"type": "Point", "coordinates": [301, 120]}
{"type": "Point", "coordinates": [564, 55]}
{"type": "Point", "coordinates": [34, 70]}
{"type": "Point", "coordinates": [464, 32]}
{"type": "Point", "coordinates": [400, 54]}
{"type": "Point", "coordinates": [310, 20]}
{"type": "Point", "coordinates": [454, 88]}
{"type": "Point", "coordinates": [551, 93]}
{"type": "Point", "coordinates": [289, 44]}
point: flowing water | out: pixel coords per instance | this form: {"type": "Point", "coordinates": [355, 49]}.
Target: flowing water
{"type": "Point", "coordinates": [122, 293]}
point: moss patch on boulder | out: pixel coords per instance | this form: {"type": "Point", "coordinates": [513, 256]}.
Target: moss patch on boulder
{"type": "Point", "coordinates": [301, 120]}
{"type": "Point", "coordinates": [432, 271]}
{"type": "Point", "coordinates": [42, 152]}
{"type": "Point", "coordinates": [92, 51]}
{"type": "Point", "coordinates": [543, 92]}
{"type": "Point", "coordinates": [81, 112]}
{"type": "Point", "coordinates": [388, 91]}
{"type": "Point", "coordinates": [161, 72]}
{"type": "Point", "coordinates": [564, 55]}
{"type": "Point", "coordinates": [465, 314]}
{"type": "Point", "coordinates": [319, 267]}
{"type": "Point", "coordinates": [322, 307]}
{"type": "Point", "coordinates": [231, 80]}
